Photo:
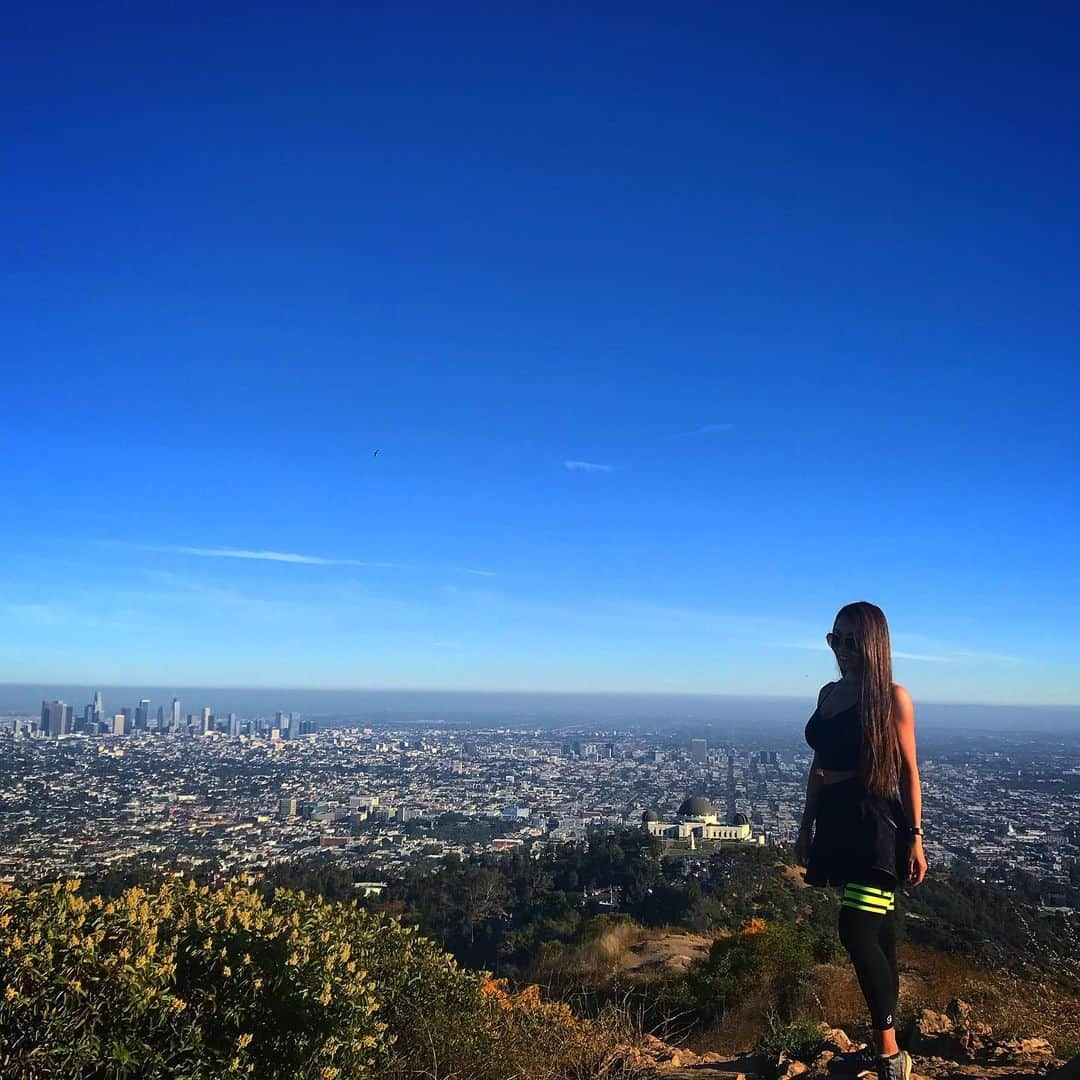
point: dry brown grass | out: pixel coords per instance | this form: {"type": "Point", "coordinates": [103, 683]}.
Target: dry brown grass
{"type": "Point", "coordinates": [929, 979]}
{"type": "Point", "coordinates": [739, 1029]}
{"type": "Point", "coordinates": [609, 950]}
{"type": "Point", "coordinates": [1014, 1007]}
{"type": "Point", "coordinates": [590, 962]}
{"type": "Point", "coordinates": [1011, 1005]}
{"type": "Point", "coordinates": [538, 1039]}
{"type": "Point", "coordinates": [627, 949]}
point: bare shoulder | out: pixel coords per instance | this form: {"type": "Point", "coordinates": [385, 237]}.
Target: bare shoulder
{"type": "Point", "coordinates": [902, 702]}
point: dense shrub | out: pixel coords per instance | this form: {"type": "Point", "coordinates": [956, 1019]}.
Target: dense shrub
{"type": "Point", "coordinates": [767, 961]}
{"type": "Point", "coordinates": [189, 983]}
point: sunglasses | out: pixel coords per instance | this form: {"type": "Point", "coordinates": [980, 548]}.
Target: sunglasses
{"type": "Point", "coordinates": [836, 640]}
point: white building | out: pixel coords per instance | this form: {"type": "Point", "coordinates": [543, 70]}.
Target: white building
{"type": "Point", "coordinates": [697, 821]}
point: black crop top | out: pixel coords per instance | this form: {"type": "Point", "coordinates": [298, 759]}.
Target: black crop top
{"type": "Point", "coordinates": [837, 739]}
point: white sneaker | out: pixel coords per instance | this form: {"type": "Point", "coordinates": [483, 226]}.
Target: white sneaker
{"type": "Point", "coordinates": [897, 1067]}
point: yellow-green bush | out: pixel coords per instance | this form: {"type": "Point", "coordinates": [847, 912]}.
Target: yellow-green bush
{"type": "Point", "coordinates": [191, 983]}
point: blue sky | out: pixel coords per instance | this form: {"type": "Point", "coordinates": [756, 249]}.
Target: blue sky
{"type": "Point", "coordinates": [675, 331]}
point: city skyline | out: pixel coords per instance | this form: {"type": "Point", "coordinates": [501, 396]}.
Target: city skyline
{"type": "Point", "coordinates": [59, 718]}
{"type": "Point", "coordinates": [460, 351]}
{"type": "Point", "coordinates": [1002, 804]}
{"type": "Point", "coordinates": [516, 709]}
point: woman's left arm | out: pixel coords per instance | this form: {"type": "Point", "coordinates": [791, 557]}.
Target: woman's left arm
{"type": "Point", "coordinates": [910, 788]}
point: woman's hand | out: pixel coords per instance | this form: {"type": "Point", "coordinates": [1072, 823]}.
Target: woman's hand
{"type": "Point", "coordinates": [802, 846]}
{"type": "Point", "coordinates": [916, 863]}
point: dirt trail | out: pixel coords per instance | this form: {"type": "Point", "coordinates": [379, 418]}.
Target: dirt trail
{"type": "Point", "coordinates": [660, 954]}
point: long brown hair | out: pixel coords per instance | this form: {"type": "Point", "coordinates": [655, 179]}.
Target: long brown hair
{"type": "Point", "coordinates": [879, 765]}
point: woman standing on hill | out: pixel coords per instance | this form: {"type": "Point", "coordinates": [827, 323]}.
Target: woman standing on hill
{"type": "Point", "coordinates": [864, 795]}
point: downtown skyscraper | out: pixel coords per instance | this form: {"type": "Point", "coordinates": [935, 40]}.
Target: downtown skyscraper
{"type": "Point", "coordinates": [56, 718]}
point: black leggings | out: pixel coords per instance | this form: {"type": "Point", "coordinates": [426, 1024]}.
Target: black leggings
{"type": "Point", "coordinates": [867, 930]}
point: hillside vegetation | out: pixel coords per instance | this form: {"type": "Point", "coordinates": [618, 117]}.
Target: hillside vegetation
{"type": "Point", "coordinates": [292, 976]}
{"type": "Point", "coordinates": [192, 983]}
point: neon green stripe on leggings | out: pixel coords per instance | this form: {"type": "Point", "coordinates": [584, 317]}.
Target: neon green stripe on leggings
{"type": "Point", "coordinates": [871, 890]}
{"type": "Point", "coordinates": [866, 898]}
{"type": "Point", "coordinates": [875, 901]}
{"type": "Point", "coordinates": [864, 907]}
{"type": "Point", "coordinates": [874, 904]}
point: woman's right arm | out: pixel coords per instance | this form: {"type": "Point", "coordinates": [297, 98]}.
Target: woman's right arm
{"type": "Point", "coordinates": [813, 786]}
{"type": "Point", "coordinates": [814, 782]}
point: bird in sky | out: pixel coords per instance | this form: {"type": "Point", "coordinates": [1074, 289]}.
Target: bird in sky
{"type": "Point", "coordinates": [376, 454]}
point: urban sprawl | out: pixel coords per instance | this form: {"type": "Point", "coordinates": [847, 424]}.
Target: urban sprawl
{"type": "Point", "coordinates": [85, 791]}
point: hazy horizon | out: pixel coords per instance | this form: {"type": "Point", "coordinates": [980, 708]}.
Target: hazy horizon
{"type": "Point", "coordinates": [516, 707]}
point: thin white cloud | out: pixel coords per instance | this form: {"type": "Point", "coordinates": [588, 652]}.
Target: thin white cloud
{"type": "Point", "coordinates": [975, 654]}
{"type": "Point", "coordinates": [614, 610]}
{"type": "Point", "coordinates": [57, 617]}
{"type": "Point", "coordinates": [952, 656]}
{"type": "Point", "coordinates": [936, 645]}
{"type": "Point", "coordinates": [478, 573]}
{"type": "Point", "coordinates": [814, 647]}
{"type": "Point", "coordinates": [588, 466]}
{"type": "Point", "coordinates": [705, 429]}
{"type": "Point", "coordinates": [265, 556]}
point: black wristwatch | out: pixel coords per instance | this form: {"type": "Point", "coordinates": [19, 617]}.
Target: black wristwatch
{"type": "Point", "coordinates": [916, 830]}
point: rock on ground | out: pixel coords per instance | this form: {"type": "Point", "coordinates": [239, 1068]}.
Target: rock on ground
{"type": "Point", "coordinates": [950, 1045]}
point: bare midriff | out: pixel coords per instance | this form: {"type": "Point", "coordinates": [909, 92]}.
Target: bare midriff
{"type": "Point", "coordinates": [830, 776]}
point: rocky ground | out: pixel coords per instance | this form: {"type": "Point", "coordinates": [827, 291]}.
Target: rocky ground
{"type": "Point", "coordinates": [953, 1045]}
{"type": "Point", "coordinates": [665, 954]}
